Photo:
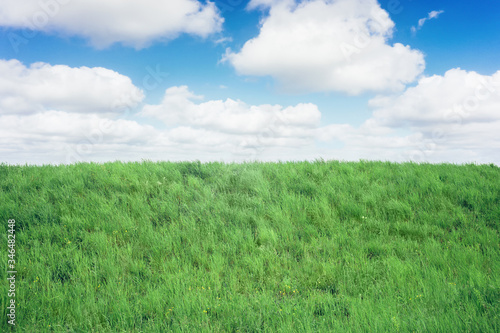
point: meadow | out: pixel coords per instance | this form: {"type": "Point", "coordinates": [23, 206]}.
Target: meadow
{"type": "Point", "coordinates": [322, 246]}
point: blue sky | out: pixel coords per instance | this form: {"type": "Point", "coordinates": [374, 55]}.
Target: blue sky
{"type": "Point", "coordinates": [244, 80]}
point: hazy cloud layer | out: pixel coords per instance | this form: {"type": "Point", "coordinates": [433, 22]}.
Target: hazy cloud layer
{"type": "Point", "coordinates": [134, 23]}
{"type": "Point", "coordinates": [323, 45]}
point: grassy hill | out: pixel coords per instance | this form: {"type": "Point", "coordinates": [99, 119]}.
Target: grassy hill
{"type": "Point", "coordinates": [257, 247]}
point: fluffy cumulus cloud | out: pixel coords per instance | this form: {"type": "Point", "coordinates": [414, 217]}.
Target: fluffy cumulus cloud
{"type": "Point", "coordinates": [327, 45]}
{"type": "Point", "coordinates": [45, 109]}
{"type": "Point", "coordinates": [458, 113]}
{"type": "Point", "coordinates": [232, 126]}
{"type": "Point", "coordinates": [133, 22]}
{"type": "Point", "coordinates": [458, 97]}
{"type": "Point", "coordinates": [60, 114]}
{"type": "Point", "coordinates": [42, 86]}
{"type": "Point", "coordinates": [454, 118]}
{"type": "Point", "coordinates": [179, 108]}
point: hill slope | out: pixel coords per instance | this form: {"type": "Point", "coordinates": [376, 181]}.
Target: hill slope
{"type": "Point", "coordinates": [258, 247]}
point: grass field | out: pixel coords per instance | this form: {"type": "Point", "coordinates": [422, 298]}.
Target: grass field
{"type": "Point", "coordinates": [256, 247]}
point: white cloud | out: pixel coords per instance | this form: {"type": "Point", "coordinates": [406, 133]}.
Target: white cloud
{"type": "Point", "coordinates": [223, 40]}
{"type": "Point", "coordinates": [233, 130]}
{"type": "Point", "coordinates": [458, 97]}
{"type": "Point", "coordinates": [253, 4]}
{"type": "Point", "coordinates": [45, 110]}
{"type": "Point", "coordinates": [324, 45]}
{"type": "Point", "coordinates": [432, 15]}
{"type": "Point", "coordinates": [134, 23]}
{"type": "Point", "coordinates": [207, 130]}
{"type": "Point", "coordinates": [62, 137]}
{"type": "Point", "coordinates": [450, 118]}
{"type": "Point", "coordinates": [72, 127]}
{"type": "Point", "coordinates": [42, 87]}
{"type": "Point", "coordinates": [179, 109]}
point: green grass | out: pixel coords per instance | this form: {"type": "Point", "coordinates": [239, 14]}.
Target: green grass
{"type": "Point", "coordinates": [256, 247]}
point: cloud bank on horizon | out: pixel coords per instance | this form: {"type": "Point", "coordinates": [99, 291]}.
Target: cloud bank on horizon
{"type": "Point", "coordinates": [58, 113]}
